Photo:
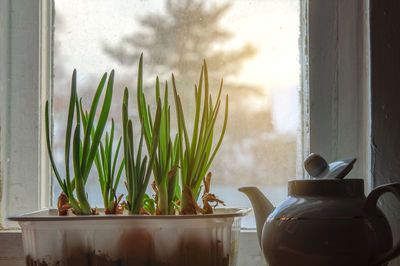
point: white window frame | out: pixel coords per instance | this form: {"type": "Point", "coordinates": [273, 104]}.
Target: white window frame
{"type": "Point", "coordinates": [337, 73]}
{"type": "Point", "coordinates": [335, 82]}
{"type": "Point", "coordinates": [25, 86]}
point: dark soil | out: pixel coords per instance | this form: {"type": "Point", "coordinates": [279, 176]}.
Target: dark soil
{"type": "Point", "coordinates": [88, 259]}
{"type": "Point", "coordinates": [137, 248]}
{"type": "Point", "coordinates": [95, 260]}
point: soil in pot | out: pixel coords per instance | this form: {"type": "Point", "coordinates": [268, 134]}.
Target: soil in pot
{"type": "Point", "coordinates": [138, 248]}
{"type": "Point", "coordinates": [197, 252]}
{"type": "Point", "coordinates": [83, 259]}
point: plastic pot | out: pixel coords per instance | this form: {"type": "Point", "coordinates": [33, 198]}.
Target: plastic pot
{"type": "Point", "coordinates": [49, 239]}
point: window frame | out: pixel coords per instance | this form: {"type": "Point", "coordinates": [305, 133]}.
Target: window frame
{"type": "Point", "coordinates": [338, 77]}
{"type": "Point", "coordinates": [346, 77]}
{"type": "Point", "coordinates": [25, 86]}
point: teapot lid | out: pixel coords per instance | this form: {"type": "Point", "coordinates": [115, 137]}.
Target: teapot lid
{"type": "Point", "coordinates": [317, 167]}
{"type": "Point", "coordinates": [327, 179]}
{"type": "Point", "coordinates": [326, 195]}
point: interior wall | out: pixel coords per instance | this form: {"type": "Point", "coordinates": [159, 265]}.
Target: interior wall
{"type": "Point", "coordinates": [385, 102]}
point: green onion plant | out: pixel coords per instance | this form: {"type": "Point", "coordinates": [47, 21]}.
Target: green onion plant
{"type": "Point", "coordinates": [138, 171]}
{"type": "Point", "coordinates": [197, 154]}
{"type": "Point", "coordinates": [106, 165]}
{"type": "Point", "coordinates": [167, 157]}
{"type": "Point", "coordinates": [84, 148]}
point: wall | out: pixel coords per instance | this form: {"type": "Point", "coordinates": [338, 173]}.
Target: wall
{"type": "Point", "coordinates": [385, 102]}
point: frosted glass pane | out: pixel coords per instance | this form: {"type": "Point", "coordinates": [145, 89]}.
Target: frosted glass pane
{"type": "Point", "coordinates": [253, 45]}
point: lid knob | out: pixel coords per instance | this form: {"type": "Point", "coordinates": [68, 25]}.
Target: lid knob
{"type": "Point", "coordinates": [317, 167]}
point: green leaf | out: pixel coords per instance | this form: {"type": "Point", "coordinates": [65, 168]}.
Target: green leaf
{"type": "Point", "coordinates": [100, 125]}
{"type": "Point", "coordinates": [121, 168]}
{"type": "Point", "coordinates": [195, 156]}
{"type": "Point", "coordinates": [92, 113]}
{"type": "Point", "coordinates": [84, 207]}
{"type": "Point", "coordinates": [60, 182]}
{"type": "Point", "coordinates": [69, 124]}
{"type": "Point", "coordinates": [115, 159]}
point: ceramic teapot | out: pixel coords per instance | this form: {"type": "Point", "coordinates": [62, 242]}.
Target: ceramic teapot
{"type": "Point", "coordinates": [326, 220]}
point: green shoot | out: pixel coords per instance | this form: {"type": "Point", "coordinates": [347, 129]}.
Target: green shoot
{"type": "Point", "coordinates": [167, 157]}
{"type": "Point", "coordinates": [149, 204]}
{"type": "Point", "coordinates": [84, 149]}
{"type": "Point", "coordinates": [197, 155]}
{"type": "Point", "coordinates": [137, 171]}
{"type": "Point", "coordinates": [106, 163]}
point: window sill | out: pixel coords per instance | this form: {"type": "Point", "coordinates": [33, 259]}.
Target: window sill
{"type": "Point", "coordinates": [11, 249]}
{"type": "Point", "coordinates": [12, 254]}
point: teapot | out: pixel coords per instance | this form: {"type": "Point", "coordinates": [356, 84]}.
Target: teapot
{"type": "Point", "coordinates": [326, 220]}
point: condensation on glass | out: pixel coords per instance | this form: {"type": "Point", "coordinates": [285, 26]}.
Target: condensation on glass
{"type": "Point", "coordinates": [253, 45]}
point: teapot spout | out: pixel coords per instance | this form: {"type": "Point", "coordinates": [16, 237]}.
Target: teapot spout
{"type": "Point", "coordinates": [261, 205]}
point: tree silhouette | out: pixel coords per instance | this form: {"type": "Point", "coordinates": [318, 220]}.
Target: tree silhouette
{"type": "Point", "coordinates": [178, 40]}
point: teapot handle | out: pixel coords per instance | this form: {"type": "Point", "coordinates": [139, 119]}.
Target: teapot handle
{"type": "Point", "coordinates": [371, 209]}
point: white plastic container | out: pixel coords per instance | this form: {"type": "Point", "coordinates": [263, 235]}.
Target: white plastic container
{"type": "Point", "coordinates": [203, 240]}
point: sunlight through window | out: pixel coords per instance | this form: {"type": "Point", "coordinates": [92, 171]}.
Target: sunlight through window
{"type": "Point", "coordinates": [253, 45]}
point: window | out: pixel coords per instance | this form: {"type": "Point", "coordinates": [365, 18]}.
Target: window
{"type": "Point", "coordinates": [335, 62]}
{"type": "Point", "coordinates": [253, 45]}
